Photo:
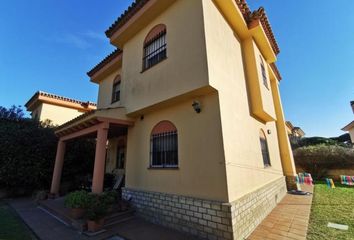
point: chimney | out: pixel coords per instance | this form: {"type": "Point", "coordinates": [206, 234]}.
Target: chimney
{"type": "Point", "coordinates": [352, 104]}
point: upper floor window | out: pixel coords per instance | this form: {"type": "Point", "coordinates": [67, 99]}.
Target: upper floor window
{"type": "Point", "coordinates": [155, 46]}
{"type": "Point", "coordinates": [116, 89]}
{"type": "Point", "coordinates": [164, 145]}
{"type": "Point", "coordinates": [264, 148]}
{"type": "Point", "coordinates": [264, 74]}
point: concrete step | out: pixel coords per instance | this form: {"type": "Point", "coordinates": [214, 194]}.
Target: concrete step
{"type": "Point", "coordinates": [117, 217]}
{"type": "Point", "coordinates": [63, 216]}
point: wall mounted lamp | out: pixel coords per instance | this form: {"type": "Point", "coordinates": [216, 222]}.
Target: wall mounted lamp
{"type": "Point", "coordinates": [196, 106]}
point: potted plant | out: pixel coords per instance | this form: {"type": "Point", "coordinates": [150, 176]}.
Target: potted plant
{"type": "Point", "coordinates": [96, 211]}
{"type": "Point", "coordinates": [110, 198]}
{"type": "Point", "coordinates": [124, 205]}
{"type": "Point", "coordinates": [77, 202]}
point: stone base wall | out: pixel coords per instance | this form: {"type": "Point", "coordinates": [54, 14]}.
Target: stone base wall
{"type": "Point", "coordinates": [251, 209]}
{"type": "Point", "coordinates": [204, 218]}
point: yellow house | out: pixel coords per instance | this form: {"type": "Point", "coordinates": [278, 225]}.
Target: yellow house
{"type": "Point", "coordinates": [57, 109]}
{"type": "Point", "coordinates": [350, 127]}
{"type": "Point", "coordinates": [189, 110]}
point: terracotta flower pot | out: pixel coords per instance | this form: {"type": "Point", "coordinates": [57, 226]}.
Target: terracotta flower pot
{"type": "Point", "coordinates": [124, 206]}
{"type": "Point", "coordinates": [77, 213]}
{"type": "Point", "coordinates": [94, 226]}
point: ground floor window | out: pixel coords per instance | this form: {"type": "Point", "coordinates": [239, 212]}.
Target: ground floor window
{"type": "Point", "coordinates": [164, 145]}
{"type": "Point", "coordinates": [264, 148]}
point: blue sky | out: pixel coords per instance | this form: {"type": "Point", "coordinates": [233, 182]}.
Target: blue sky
{"type": "Point", "coordinates": [50, 45]}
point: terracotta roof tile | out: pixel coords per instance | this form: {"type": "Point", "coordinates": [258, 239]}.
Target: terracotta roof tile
{"type": "Point", "coordinates": [54, 96]}
{"type": "Point", "coordinates": [248, 15]}
{"type": "Point", "coordinates": [123, 18]}
{"type": "Point", "coordinates": [260, 15]}
{"type": "Point", "coordinates": [106, 60]}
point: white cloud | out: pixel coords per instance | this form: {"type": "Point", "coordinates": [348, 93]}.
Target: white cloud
{"type": "Point", "coordinates": [94, 35]}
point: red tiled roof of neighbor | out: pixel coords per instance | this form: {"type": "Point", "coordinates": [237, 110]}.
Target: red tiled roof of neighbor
{"type": "Point", "coordinates": [124, 17]}
{"type": "Point", "coordinates": [260, 15]}
{"type": "Point", "coordinates": [106, 60]}
{"type": "Point", "coordinates": [57, 97]}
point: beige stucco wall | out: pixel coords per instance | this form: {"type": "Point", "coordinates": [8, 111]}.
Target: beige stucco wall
{"type": "Point", "coordinates": [266, 93]}
{"type": "Point", "coordinates": [351, 133]}
{"type": "Point", "coordinates": [201, 165]}
{"type": "Point", "coordinates": [104, 99]}
{"type": "Point", "coordinates": [57, 114]}
{"type": "Point", "coordinates": [185, 68]}
{"type": "Point", "coordinates": [111, 155]}
{"type": "Point", "coordinates": [36, 113]}
{"type": "Point", "coordinates": [244, 163]}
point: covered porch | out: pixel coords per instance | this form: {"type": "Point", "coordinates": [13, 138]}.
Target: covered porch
{"type": "Point", "coordinates": [101, 124]}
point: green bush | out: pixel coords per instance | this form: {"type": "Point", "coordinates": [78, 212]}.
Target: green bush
{"type": "Point", "coordinates": [77, 199]}
{"type": "Point", "coordinates": [318, 159]}
{"type": "Point", "coordinates": [110, 197]}
{"type": "Point", "coordinates": [27, 154]}
{"type": "Point", "coordinates": [97, 207]}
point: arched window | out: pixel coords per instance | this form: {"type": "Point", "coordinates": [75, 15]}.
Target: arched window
{"type": "Point", "coordinates": [164, 145]}
{"type": "Point", "coordinates": [264, 148]}
{"type": "Point", "coordinates": [116, 89]}
{"type": "Point", "coordinates": [155, 46]}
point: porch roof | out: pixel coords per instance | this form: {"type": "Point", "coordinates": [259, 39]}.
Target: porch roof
{"type": "Point", "coordinates": [88, 123]}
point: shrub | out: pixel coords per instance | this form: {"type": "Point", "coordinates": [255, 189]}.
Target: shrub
{"type": "Point", "coordinates": [318, 159]}
{"type": "Point", "coordinates": [77, 199]}
{"type": "Point", "coordinates": [97, 207]}
{"type": "Point", "coordinates": [110, 197]}
{"type": "Point", "coordinates": [27, 154]}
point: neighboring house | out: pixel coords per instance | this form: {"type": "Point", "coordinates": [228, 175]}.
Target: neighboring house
{"type": "Point", "coordinates": [45, 106]}
{"type": "Point", "coordinates": [350, 127]}
{"type": "Point", "coordinates": [190, 107]}
{"type": "Point", "coordinates": [294, 133]}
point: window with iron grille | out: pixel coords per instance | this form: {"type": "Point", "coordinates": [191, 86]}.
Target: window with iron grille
{"type": "Point", "coordinates": [155, 50]}
{"type": "Point", "coordinates": [264, 74]}
{"type": "Point", "coordinates": [264, 149]}
{"type": "Point", "coordinates": [116, 92]}
{"type": "Point", "coordinates": [164, 150]}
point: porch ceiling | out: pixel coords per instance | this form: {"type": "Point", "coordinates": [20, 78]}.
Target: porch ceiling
{"type": "Point", "coordinates": [87, 124]}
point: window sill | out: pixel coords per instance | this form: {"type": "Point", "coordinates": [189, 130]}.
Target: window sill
{"type": "Point", "coordinates": [163, 168]}
{"type": "Point", "coordinates": [146, 69]}
{"type": "Point", "coordinates": [114, 102]}
{"type": "Point", "coordinates": [267, 166]}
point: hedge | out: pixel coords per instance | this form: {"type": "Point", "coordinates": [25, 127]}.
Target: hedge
{"type": "Point", "coordinates": [318, 159]}
{"type": "Point", "coordinates": [27, 154]}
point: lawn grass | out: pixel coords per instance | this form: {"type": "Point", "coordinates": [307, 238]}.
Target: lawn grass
{"type": "Point", "coordinates": [11, 227]}
{"type": "Point", "coordinates": [331, 205]}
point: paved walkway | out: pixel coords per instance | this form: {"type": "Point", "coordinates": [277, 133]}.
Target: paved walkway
{"type": "Point", "coordinates": [47, 227]}
{"type": "Point", "coordinates": [289, 220]}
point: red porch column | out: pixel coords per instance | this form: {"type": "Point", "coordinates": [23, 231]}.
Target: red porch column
{"type": "Point", "coordinates": [100, 158]}
{"type": "Point", "coordinates": [59, 160]}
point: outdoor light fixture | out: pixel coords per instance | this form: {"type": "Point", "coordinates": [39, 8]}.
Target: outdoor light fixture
{"type": "Point", "coordinates": [196, 106]}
